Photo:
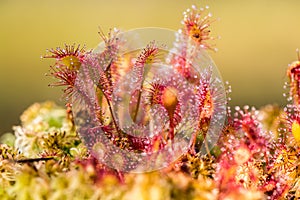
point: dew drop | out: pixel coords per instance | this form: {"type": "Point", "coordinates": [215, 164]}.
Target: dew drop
{"type": "Point", "coordinates": [246, 107]}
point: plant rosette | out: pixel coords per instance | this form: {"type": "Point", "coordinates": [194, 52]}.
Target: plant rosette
{"type": "Point", "coordinates": [137, 110]}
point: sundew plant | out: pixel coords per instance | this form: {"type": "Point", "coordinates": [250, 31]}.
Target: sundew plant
{"type": "Point", "coordinates": [146, 117]}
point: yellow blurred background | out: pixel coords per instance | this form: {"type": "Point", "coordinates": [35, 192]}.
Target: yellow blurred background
{"type": "Point", "coordinates": [258, 41]}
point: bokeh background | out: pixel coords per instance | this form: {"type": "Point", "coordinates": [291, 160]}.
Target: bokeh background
{"type": "Point", "coordinates": [258, 41]}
